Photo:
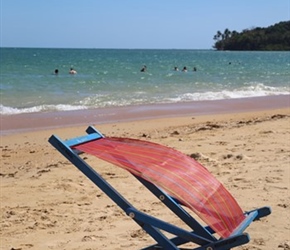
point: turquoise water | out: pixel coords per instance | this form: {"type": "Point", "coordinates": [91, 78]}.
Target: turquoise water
{"type": "Point", "coordinates": [111, 77]}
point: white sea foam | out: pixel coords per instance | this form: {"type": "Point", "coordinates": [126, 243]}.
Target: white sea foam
{"type": "Point", "coordinates": [100, 101]}
{"type": "Point", "coordinates": [60, 107]}
{"type": "Point", "coordinates": [249, 91]}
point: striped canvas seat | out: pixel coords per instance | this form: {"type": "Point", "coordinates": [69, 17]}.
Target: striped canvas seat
{"type": "Point", "coordinates": [179, 175]}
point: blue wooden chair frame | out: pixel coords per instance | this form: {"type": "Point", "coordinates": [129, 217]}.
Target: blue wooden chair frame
{"type": "Point", "coordinates": [200, 235]}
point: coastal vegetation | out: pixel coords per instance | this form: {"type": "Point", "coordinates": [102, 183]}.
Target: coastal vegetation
{"type": "Point", "coordinates": [275, 37]}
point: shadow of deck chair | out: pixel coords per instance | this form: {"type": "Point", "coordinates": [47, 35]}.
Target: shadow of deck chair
{"type": "Point", "coordinates": [175, 179]}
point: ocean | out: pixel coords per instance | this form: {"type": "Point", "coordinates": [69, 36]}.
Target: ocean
{"type": "Point", "coordinates": [112, 77]}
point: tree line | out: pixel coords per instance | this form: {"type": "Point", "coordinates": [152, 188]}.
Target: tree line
{"type": "Point", "coordinates": [275, 37]}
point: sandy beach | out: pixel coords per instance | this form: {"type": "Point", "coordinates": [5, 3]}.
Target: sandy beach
{"type": "Point", "coordinates": [46, 203]}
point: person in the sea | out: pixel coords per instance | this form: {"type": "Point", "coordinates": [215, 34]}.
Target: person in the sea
{"type": "Point", "coordinates": [72, 71]}
{"type": "Point", "coordinates": [184, 69]}
{"type": "Point", "coordinates": [144, 68]}
{"type": "Point", "coordinates": [176, 68]}
{"type": "Point", "coordinates": [56, 71]}
{"type": "Point", "coordinates": [194, 69]}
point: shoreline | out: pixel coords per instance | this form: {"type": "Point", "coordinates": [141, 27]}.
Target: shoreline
{"type": "Point", "coordinates": [11, 124]}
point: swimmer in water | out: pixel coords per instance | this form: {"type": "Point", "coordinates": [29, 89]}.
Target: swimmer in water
{"type": "Point", "coordinates": [184, 69]}
{"type": "Point", "coordinates": [72, 71]}
{"type": "Point", "coordinates": [144, 68]}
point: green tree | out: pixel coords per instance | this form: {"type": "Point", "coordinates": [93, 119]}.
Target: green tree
{"type": "Point", "coordinates": [275, 37]}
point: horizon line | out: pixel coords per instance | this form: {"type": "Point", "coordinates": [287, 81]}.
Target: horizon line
{"type": "Point", "coordinates": [32, 47]}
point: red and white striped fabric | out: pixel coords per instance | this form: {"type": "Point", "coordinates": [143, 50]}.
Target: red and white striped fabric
{"type": "Point", "coordinates": [179, 175]}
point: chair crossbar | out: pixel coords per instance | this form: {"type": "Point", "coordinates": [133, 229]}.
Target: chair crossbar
{"type": "Point", "coordinates": [175, 207]}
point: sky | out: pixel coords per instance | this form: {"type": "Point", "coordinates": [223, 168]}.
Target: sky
{"type": "Point", "coordinates": [132, 24]}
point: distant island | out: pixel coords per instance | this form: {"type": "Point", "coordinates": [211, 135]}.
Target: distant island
{"type": "Point", "coordinates": [272, 38]}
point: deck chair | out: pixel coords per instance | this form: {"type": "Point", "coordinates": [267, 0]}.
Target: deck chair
{"type": "Point", "coordinates": [177, 180]}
